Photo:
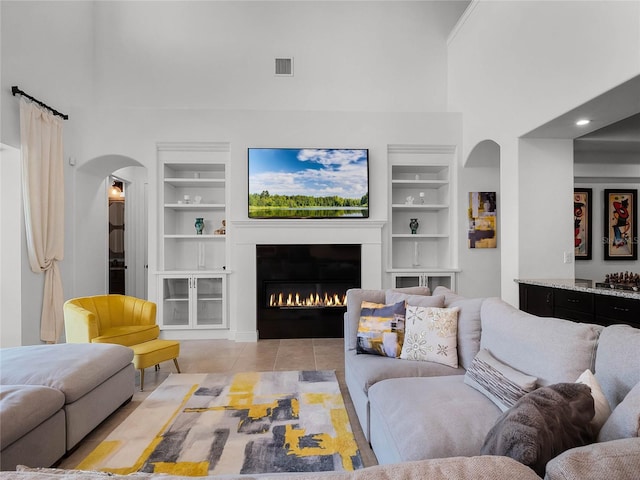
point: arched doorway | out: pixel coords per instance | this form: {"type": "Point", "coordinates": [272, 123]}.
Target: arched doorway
{"type": "Point", "coordinates": [481, 274]}
{"type": "Point", "coordinates": [99, 220]}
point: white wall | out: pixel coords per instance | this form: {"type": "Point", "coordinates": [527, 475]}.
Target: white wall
{"type": "Point", "coordinates": [546, 193]}
{"type": "Point", "coordinates": [131, 74]}
{"type": "Point", "coordinates": [348, 56]}
{"type": "Point", "coordinates": [516, 65]}
{"type": "Point", "coordinates": [10, 248]}
{"type": "Point", "coordinates": [46, 50]}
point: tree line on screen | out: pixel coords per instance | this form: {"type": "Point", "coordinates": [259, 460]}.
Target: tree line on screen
{"type": "Point", "coordinates": [266, 200]}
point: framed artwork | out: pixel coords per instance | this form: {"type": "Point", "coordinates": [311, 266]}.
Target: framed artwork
{"type": "Point", "coordinates": [482, 220]}
{"type": "Point", "coordinates": [620, 224]}
{"type": "Point", "coordinates": [582, 219]}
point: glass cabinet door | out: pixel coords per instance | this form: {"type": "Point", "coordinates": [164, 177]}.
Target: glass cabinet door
{"type": "Point", "coordinates": [175, 302]}
{"type": "Point", "coordinates": [209, 301]}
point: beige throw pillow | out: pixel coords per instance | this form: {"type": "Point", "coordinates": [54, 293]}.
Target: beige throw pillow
{"type": "Point", "coordinates": [601, 404]}
{"type": "Point", "coordinates": [431, 335]}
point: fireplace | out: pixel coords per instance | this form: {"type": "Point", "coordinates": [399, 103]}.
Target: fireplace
{"type": "Point", "coordinates": [301, 289]}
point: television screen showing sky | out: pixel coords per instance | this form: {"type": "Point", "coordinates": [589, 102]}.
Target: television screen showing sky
{"type": "Point", "coordinates": [311, 172]}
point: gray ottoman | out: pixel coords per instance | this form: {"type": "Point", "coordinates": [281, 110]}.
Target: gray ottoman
{"type": "Point", "coordinates": [94, 378]}
{"type": "Point", "coordinates": [28, 414]}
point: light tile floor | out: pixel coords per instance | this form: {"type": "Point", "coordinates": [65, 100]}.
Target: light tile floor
{"type": "Point", "coordinates": [224, 356]}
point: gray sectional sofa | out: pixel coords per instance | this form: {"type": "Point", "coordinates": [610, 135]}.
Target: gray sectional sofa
{"type": "Point", "coordinates": [52, 396]}
{"type": "Point", "coordinates": [415, 410]}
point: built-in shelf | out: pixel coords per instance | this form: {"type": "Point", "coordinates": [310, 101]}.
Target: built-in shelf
{"type": "Point", "coordinates": [419, 188]}
{"type": "Point", "coordinates": [194, 207]}
{"type": "Point", "coordinates": [192, 274]}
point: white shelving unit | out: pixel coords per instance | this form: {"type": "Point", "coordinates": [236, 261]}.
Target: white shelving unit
{"type": "Point", "coordinates": [192, 184]}
{"type": "Point", "coordinates": [420, 188]}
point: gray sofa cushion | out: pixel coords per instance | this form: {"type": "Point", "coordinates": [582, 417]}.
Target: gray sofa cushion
{"type": "Point", "coordinates": [435, 417]}
{"type": "Point", "coordinates": [73, 368]}
{"type": "Point", "coordinates": [469, 328]}
{"type": "Point", "coordinates": [615, 373]}
{"type": "Point", "coordinates": [551, 349]}
{"type": "Point", "coordinates": [368, 370]}
{"type": "Point", "coordinates": [624, 421]}
{"type": "Point", "coordinates": [449, 295]}
{"type": "Point", "coordinates": [619, 460]}
{"type": "Point", "coordinates": [393, 296]}
{"type": "Point", "coordinates": [23, 408]}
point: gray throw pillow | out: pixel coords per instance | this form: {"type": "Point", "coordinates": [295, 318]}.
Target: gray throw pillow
{"type": "Point", "coordinates": [543, 424]}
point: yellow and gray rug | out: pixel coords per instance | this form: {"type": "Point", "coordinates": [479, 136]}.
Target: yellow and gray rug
{"type": "Point", "coordinates": [256, 422]}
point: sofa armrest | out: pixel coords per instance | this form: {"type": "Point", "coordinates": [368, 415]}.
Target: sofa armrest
{"type": "Point", "coordinates": [80, 324]}
{"type": "Point", "coordinates": [614, 459]}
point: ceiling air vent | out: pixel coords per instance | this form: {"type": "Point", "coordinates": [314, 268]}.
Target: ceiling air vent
{"type": "Point", "coordinates": [284, 67]}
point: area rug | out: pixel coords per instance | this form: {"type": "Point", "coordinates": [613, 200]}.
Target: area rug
{"type": "Point", "coordinates": [256, 422]}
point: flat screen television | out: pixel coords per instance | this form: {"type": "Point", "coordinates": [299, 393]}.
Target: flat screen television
{"type": "Point", "coordinates": [308, 183]}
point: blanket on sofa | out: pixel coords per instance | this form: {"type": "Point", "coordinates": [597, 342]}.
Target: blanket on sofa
{"type": "Point", "coordinates": [543, 424]}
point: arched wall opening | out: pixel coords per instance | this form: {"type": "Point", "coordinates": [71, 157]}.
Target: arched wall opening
{"type": "Point", "coordinates": [480, 274]}
{"type": "Point", "coordinates": [91, 225]}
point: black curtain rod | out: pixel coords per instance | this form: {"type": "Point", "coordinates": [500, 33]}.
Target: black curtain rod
{"type": "Point", "coordinates": [16, 91]}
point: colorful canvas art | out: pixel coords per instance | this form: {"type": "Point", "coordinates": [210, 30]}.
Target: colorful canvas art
{"type": "Point", "coordinates": [620, 235]}
{"type": "Point", "coordinates": [582, 223]}
{"type": "Point", "coordinates": [482, 220]}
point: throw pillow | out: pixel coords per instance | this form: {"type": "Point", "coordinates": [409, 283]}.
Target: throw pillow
{"type": "Point", "coordinates": [392, 296]}
{"type": "Point", "coordinates": [381, 329]}
{"type": "Point", "coordinates": [543, 424]}
{"type": "Point", "coordinates": [502, 384]}
{"type": "Point", "coordinates": [449, 295]}
{"type": "Point", "coordinates": [624, 421]}
{"type": "Point", "coordinates": [431, 335]}
{"type": "Point", "coordinates": [414, 290]}
{"type": "Point", "coordinates": [603, 410]}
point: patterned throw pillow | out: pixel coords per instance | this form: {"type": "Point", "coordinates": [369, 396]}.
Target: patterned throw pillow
{"type": "Point", "coordinates": [431, 335]}
{"type": "Point", "coordinates": [381, 329]}
{"type": "Point", "coordinates": [502, 384]}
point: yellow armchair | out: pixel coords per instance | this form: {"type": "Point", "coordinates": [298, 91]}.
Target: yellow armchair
{"type": "Point", "coordinates": [117, 319]}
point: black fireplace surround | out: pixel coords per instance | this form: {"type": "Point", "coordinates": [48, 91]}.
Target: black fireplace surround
{"type": "Point", "coordinates": [301, 289]}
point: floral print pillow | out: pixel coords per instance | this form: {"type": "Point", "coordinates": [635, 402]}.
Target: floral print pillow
{"type": "Point", "coordinates": [431, 335]}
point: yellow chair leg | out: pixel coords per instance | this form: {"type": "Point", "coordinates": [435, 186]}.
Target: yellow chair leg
{"type": "Point", "coordinates": [141, 379]}
{"type": "Point", "coordinates": [175, 361]}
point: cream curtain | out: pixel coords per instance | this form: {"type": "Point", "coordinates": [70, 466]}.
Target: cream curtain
{"type": "Point", "coordinates": [43, 193]}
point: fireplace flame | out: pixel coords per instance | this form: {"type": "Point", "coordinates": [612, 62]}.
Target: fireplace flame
{"type": "Point", "coordinates": [313, 300]}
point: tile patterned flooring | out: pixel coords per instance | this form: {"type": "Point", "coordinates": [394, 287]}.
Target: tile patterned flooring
{"type": "Point", "coordinates": [225, 356]}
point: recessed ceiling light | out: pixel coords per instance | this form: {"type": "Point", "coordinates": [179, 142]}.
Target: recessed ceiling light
{"type": "Point", "coordinates": [583, 121]}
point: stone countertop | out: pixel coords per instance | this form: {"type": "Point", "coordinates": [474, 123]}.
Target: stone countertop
{"type": "Point", "coordinates": [580, 285]}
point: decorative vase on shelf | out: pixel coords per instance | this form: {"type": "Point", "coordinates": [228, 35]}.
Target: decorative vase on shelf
{"type": "Point", "coordinates": [416, 255]}
{"type": "Point", "coordinates": [199, 225]}
{"type": "Point", "coordinates": [201, 256]}
{"type": "Point", "coordinates": [413, 225]}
